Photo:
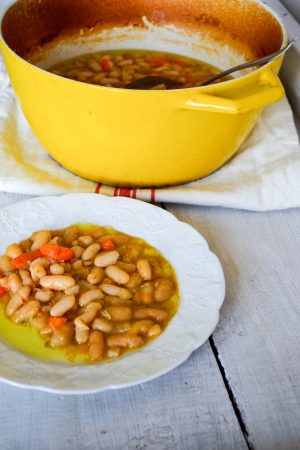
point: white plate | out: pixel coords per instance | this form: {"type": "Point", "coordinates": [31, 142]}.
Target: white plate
{"type": "Point", "coordinates": [201, 284]}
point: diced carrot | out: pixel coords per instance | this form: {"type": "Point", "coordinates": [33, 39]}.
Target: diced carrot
{"type": "Point", "coordinates": [108, 245]}
{"type": "Point", "coordinates": [22, 261]}
{"type": "Point", "coordinates": [56, 252]}
{"type": "Point", "coordinates": [158, 62]}
{"type": "Point", "coordinates": [3, 291]}
{"type": "Point", "coordinates": [106, 65]}
{"type": "Point", "coordinates": [56, 322]}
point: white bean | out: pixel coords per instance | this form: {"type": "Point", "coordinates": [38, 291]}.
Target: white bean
{"type": "Point", "coordinates": [164, 289]}
{"type": "Point", "coordinates": [85, 241]}
{"type": "Point", "coordinates": [13, 251]}
{"type": "Point", "coordinates": [141, 327]}
{"type": "Point", "coordinates": [42, 295]}
{"type": "Point", "coordinates": [82, 331]}
{"type": "Point", "coordinates": [38, 322]}
{"type": "Point", "coordinates": [124, 340]}
{"type": "Point", "coordinates": [90, 296]}
{"type": "Point", "coordinates": [117, 291]}
{"type": "Point", "coordinates": [77, 251]}
{"type": "Point", "coordinates": [41, 261]}
{"type": "Point", "coordinates": [119, 239]}
{"type": "Point", "coordinates": [37, 271]}
{"type": "Point", "coordinates": [90, 252]}
{"type": "Point", "coordinates": [106, 259]}
{"type": "Point", "coordinates": [57, 282]}
{"type": "Point", "coordinates": [71, 233]}
{"type": "Point", "coordinates": [5, 264]}
{"type": "Point", "coordinates": [14, 282]}
{"type": "Point", "coordinates": [56, 240]}
{"type": "Point", "coordinates": [144, 269]}
{"type": "Point", "coordinates": [96, 275]}
{"type": "Point", "coordinates": [151, 313]}
{"type": "Point", "coordinates": [62, 306]}
{"type": "Point", "coordinates": [26, 278]}
{"type": "Point", "coordinates": [90, 312]}
{"type": "Point", "coordinates": [154, 331]}
{"type": "Point", "coordinates": [26, 312]}
{"type": "Point", "coordinates": [73, 290]}
{"type": "Point", "coordinates": [96, 345]}
{"type": "Point", "coordinates": [24, 292]}
{"type": "Point", "coordinates": [40, 238]}
{"type": "Point", "coordinates": [129, 268]}
{"type": "Point", "coordinates": [118, 275]}
{"type": "Point", "coordinates": [135, 280]}
{"type": "Point", "coordinates": [77, 264]}
{"type": "Point", "coordinates": [102, 324]}
{"type": "Point", "coordinates": [113, 352]}
{"type": "Point", "coordinates": [14, 303]}
{"type": "Point", "coordinates": [118, 313]}
{"type": "Point", "coordinates": [62, 336]}
{"type": "Point", "coordinates": [57, 269]}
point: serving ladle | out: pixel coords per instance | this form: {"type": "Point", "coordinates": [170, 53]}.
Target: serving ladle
{"type": "Point", "coordinates": [152, 81]}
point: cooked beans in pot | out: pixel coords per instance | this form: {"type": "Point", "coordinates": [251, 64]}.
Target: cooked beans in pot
{"type": "Point", "coordinates": [99, 292]}
{"type": "Point", "coordinates": [119, 68]}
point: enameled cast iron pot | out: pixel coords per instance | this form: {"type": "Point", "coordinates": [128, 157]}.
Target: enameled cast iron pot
{"type": "Point", "coordinates": [141, 138]}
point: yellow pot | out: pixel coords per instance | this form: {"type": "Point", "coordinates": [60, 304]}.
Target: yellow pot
{"type": "Point", "coordinates": [140, 138]}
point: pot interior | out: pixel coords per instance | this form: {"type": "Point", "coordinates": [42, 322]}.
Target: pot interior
{"type": "Point", "coordinates": [222, 33]}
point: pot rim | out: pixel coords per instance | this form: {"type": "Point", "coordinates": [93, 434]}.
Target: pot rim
{"type": "Point", "coordinates": [161, 92]}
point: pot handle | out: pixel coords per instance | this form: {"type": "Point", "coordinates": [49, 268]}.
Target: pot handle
{"type": "Point", "coordinates": [269, 90]}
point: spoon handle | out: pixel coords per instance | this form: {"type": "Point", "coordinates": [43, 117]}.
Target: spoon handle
{"type": "Point", "coordinates": [257, 62]}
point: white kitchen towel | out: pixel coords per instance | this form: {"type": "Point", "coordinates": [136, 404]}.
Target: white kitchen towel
{"type": "Point", "coordinates": [264, 175]}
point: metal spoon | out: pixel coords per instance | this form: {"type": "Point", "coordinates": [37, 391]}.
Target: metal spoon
{"type": "Point", "coordinates": [151, 81]}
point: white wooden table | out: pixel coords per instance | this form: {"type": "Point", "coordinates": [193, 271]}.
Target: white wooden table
{"type": "Point", "coordinates": [240, 390]}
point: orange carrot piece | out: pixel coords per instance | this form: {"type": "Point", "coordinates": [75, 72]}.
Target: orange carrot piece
{"type": "Point", "coordinates": [22, 261]}
{"type": "Point", "coordinates": [56, 252]}
{"type": "Point", "coordinates": [108, 245]}
{"type": "Point", "coordinates": [56, 322]}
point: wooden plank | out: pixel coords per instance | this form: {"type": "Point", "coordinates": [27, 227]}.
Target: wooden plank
{"type": "Point", "coordinates": [186, 409]}
{"type": "Point", "coordinates": [258, 336]}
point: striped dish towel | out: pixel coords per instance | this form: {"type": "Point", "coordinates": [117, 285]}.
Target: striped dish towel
{"type": "Point", "coordinates": [264, 175]}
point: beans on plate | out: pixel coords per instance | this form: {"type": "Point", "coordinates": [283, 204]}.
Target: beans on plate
{"type": "Point", "coordinates": [118, 68]}
{"type": "Point", "coordinates": [90, 289]}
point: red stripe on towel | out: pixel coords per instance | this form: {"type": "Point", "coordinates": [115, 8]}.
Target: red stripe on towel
{"type": "Point", "coordinates": [124, 192]}
{"type": "Point", "coordinates": [153, 192]}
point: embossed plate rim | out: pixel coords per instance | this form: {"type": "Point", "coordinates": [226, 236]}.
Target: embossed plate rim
{"type": "Point", "coordinates": [198, 270]}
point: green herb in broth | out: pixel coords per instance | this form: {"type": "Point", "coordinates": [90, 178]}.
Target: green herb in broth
{"type": "Point", "coordinates": [119, 68]}
{"type": "Point", "coordinates": [26, 337]}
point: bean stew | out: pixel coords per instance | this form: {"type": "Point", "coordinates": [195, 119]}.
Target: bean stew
{"type": "Point", "coordinates": [120, 68]}
{"type": "Point", "coordinates": [88, 290]}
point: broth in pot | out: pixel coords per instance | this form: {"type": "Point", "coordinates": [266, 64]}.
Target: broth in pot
{"type": "Point", "coordinates": [120, 68]}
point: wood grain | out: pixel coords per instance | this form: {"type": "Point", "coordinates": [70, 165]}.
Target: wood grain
{"type": "Point", "coordinates": [258, 336]}
{"type": "Point", "coordinates": [186, 409]}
